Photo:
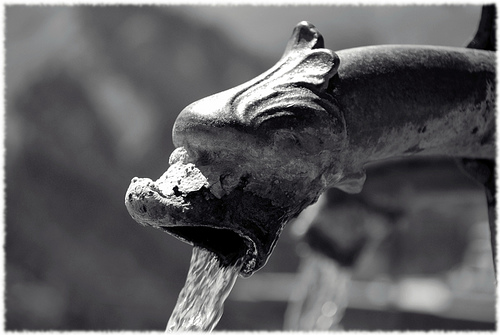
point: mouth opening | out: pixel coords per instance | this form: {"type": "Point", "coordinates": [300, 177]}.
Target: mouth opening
{"type": "Point", "coordinates": [228, 245]}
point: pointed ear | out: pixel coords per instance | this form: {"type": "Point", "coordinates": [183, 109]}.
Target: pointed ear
{"type": "Point", "coordinates": [295, 86]}
{"type": "Point", "coordinates": [352, 182]}
{"type": "Point", "coordinates": [306, 60]}
{"type": "Point", "coordinates": [305, 36]}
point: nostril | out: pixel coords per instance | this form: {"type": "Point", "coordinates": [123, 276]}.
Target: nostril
{"type": "Point", "coordinates": [177, 193]}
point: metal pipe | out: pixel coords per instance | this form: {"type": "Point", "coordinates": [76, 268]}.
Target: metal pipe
{"type": "Point", "coordinates": [251, 158]}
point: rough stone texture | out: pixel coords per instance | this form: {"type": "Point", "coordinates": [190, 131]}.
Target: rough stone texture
{"type": "Point", "coordinates": [266, 149]}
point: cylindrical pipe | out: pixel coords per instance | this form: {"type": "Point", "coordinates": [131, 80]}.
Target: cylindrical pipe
{"type": "Point", "coordinates": [399, 100]}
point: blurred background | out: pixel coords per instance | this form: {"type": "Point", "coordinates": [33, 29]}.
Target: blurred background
{"type": "Point", "coordinates": [92, 93]}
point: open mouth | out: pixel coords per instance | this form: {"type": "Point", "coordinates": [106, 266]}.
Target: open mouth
{"type": "Point", "coordinates": [234, 227]}
{"type": "Point", "coordinates": [229, 246]}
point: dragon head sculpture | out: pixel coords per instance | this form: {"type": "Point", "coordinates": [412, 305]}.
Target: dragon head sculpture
{"type": "Point", "coordinates": [250, 158]}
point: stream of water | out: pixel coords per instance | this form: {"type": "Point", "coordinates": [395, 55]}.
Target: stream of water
{"type": "Point", "coordinates": [201, 301]}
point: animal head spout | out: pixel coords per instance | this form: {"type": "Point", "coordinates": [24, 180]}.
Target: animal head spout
{"type": "Point", "coordinates": [262, 151]}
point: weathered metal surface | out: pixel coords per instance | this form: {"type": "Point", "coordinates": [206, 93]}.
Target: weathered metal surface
{"type": "Point", "coordinates": [266, 149]}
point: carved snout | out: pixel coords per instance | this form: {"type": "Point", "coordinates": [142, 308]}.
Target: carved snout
{"type": "Point", "coordinates": [180, 203]}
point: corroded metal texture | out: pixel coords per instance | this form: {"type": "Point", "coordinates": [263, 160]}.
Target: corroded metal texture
{"type": "Point", "coordinates": [251, 158]}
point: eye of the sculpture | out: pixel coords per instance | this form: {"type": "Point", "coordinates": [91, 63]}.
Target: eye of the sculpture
{"type": "Point", "coordinates": [284, 118]}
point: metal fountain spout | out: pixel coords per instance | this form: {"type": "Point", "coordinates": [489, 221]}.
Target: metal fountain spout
{"type": "Point", "coordinates": [251, 158]}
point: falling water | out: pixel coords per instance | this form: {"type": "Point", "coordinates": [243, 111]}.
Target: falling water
{"type": "Point", "coordinates": [201, 301]}
{"type": "Point", "coordinates": [321, 295]}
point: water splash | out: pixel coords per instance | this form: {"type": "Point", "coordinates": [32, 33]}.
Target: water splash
{"type": "Point", "coordinates": [201, 301]}
{"type": "Point", "coordinates": [321, 295]}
